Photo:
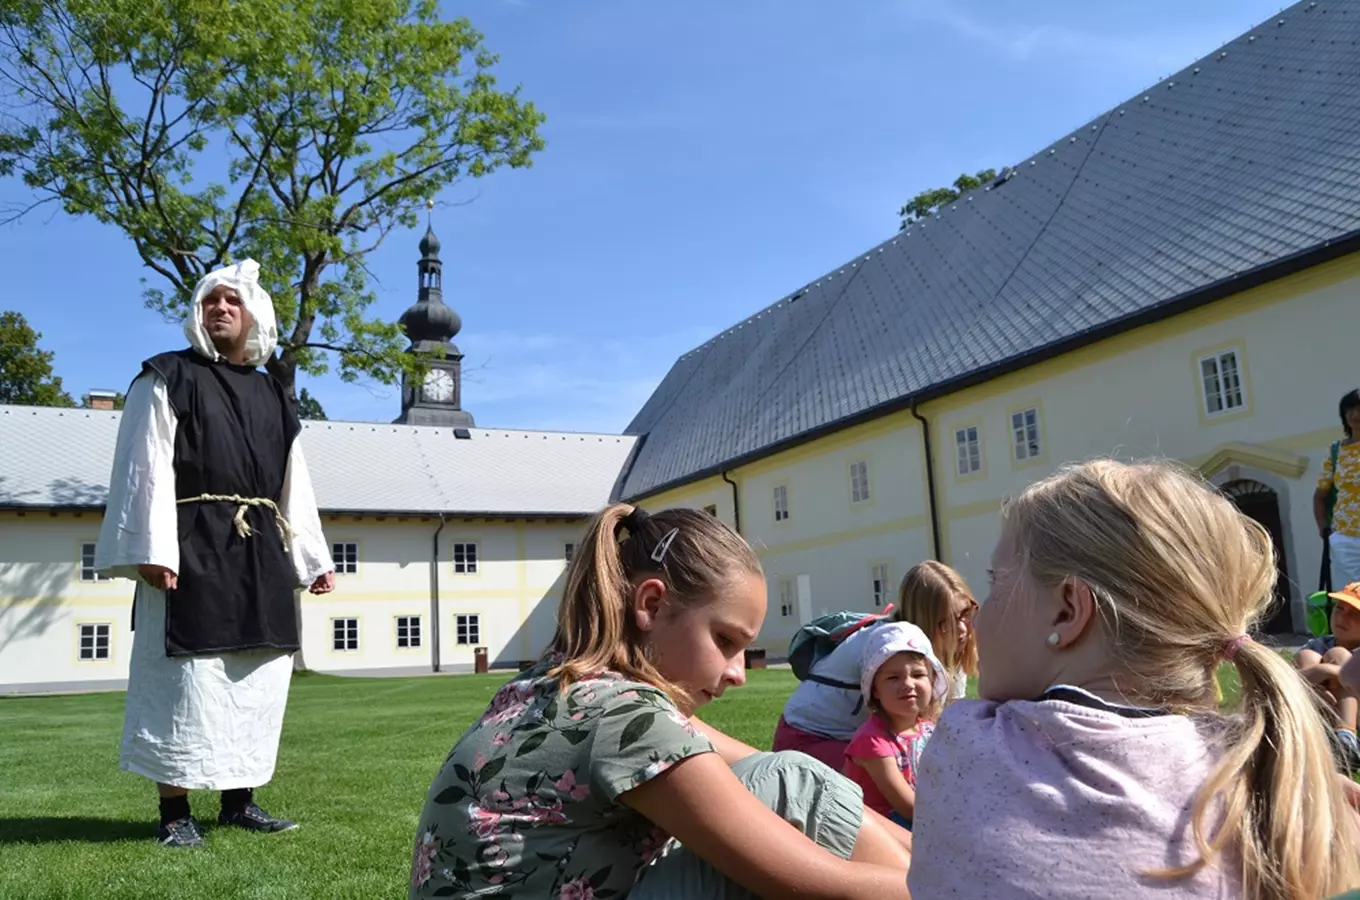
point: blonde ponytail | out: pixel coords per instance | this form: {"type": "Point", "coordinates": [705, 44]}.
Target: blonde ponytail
{"type": "Point", "coordinates": [1179, 575]}
{"type": "Point", "coordinates": [1283, 813]}
{"type": "Point", "coordinates": [693, 553]}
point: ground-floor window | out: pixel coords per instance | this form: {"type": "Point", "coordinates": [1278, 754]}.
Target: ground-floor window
{"type": "Point", "coordinates": [94, 641]}
{"type": "Point", "coordinates": [344, 634]}
{"type": "Point", "coordinates": [408, 631]}
{"type": "Point", "coordinates": [467, 629]}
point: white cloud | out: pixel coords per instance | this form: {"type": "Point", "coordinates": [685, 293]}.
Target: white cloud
{"type": "Point", "coordinates": [1026, 42]}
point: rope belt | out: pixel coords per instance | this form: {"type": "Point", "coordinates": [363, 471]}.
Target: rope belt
{"type": "Point", "coordinates": [244, 503]}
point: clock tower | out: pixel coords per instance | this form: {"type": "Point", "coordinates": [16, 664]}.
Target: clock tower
{"type": "Point", "coordinates": [431, 325]}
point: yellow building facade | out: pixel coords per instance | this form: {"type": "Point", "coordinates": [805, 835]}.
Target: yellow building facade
{"type": "Point", "coordinates": [1142, 394]}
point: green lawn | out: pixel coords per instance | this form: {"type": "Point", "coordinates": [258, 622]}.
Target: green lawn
{"type": "Point", "coordinates": [356, 759]}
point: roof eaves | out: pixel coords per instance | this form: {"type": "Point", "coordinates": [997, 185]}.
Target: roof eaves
{"type": "Point", "coordinates": [463, 513]}
{"type": "Point", "coordinates": [51, 507]}
{"type": "Point", "coordinates": [1202, 296]}
{"type": "Point", "coordinates": [458, 513]}
{"type": "Point", "coordinates": [621, 480]}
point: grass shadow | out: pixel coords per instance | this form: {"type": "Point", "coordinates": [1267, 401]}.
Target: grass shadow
{"type": "Point", "coordinates": [79, 829]}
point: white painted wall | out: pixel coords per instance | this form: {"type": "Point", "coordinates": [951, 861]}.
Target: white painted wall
{"type": "Point", "coordinates": [1136, 396]}
{"type": "Point", "coordinates": [43, 602]}
{"type": "Point", "coordinates": [1141, 398]}
{"type": "Point", "coordinates": [828, 537]}
{"type": "Point", "coordinates": [514, 594]}
{"type": "Point", "coordinates": [1133, 396]}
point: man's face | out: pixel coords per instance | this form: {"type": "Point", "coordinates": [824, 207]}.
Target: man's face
{"type": "Point", "coordinates": [226, 319]}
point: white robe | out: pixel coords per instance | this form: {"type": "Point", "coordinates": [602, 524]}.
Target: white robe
{"type": "Point", "coordinates": [202, 722]}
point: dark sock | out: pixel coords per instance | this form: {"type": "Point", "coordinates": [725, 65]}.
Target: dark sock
{"type": "Point", "coordinates": [174, 808]}
{"type": "Point", "coordinates": [236, 800]}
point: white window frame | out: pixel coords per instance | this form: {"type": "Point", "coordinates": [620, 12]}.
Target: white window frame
{"type": "Point", "coordinates": [469, 551]}
{"type": "Point", "coordinates": [878, 584]}
{"type": "Point", "coordinates": [409, 630]}
{"type": "Point", "coordinates": [1214, 383]}
{"type": "Point", "coordinates": [1027, 439]}
{"type": "Point", "coordinates": [345, 557]}
{"type": "Point", "coordinates": [859, 481]}
{"type": "Point", "coordinates": [88, 573]}
{"type": "Point", "coordinates": [95, 631]}
{"type": "Point", "coordinates": [967, 451]}
{"type": "Point", "coordinates": [467, 629]}
{"type": "Point", "coordinates": [781, 502]}
{"type": "Point", "coordinates": [788, 597]}
{"type": "Point", "coordinates": [344, 634]}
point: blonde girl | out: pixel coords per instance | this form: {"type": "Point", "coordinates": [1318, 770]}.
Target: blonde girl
{"type": "Point", "coordinates": [1097, 763]}
{"type": "Point", "coordinates": [935, 598]}
{"type": "Point", "coordinates": [573, 782]}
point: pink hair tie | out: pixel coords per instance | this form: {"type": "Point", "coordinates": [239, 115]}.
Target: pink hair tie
{"type": "Point", "coordinates": [1230, 649]}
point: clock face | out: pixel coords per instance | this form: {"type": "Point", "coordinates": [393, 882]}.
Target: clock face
{"type": "Point", "coordinates": [438, 386]}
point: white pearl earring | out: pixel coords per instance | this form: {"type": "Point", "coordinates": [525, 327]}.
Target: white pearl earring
{"type": "Point", "coordinates": [1053, 639]}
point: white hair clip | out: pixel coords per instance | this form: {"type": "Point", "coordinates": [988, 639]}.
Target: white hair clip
{"type": "Point", "coordinates": [659, 554]}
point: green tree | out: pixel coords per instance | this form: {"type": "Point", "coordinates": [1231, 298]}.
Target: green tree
{"type": "Point", "coordinates": [25, 371]}
{"type": "Point", "coordinates": [308, 407]}
{"type": "Point", "coordinates": [926, 202]}
{"type": "Point", "coordinates": [297, 133]}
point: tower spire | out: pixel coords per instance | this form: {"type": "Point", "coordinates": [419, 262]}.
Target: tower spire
{"type": "Point", "coordinates": [431, 326]}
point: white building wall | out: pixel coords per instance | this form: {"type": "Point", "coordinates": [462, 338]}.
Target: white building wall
{"type": "Point", "coordinates": [43, 603]}
{"type": "Point", "coordinates": [1135, 396]}
{"type": "Point", "coordinates": [513, 595]}
{"type": "Point", "coordinates": [508, 605]}
{"type": "Point", "coordinates": [1141, 396]}
{"type": "Point", "coordinates": [828, 536]}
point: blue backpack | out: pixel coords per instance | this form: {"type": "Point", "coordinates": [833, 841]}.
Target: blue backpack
{"type": "Point", "coordinates": [814, 642]}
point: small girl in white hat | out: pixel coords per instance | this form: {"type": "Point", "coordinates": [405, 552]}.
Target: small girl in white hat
{"type": "Point", "coordinates": [904, 685]}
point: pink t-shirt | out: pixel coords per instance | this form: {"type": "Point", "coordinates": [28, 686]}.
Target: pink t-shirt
{"type": "Point", "coordinates": [874, 739]}
{"type": "Point", "coordinates": [1055, 799]}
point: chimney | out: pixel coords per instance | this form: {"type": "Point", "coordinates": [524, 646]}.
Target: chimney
{"type": "Point", "coordinates": [100, 399]}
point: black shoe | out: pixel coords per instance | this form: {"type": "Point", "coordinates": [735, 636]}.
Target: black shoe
{"type": "Point", "coordinates": [180, 833]}
{"type": "Point", "coordinates": [252, 818]}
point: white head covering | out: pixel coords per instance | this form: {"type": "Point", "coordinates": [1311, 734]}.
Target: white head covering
{"type": "Point", "coordinates": [889, 639]}
{"type": "Point", "coordinates": [263, 336]}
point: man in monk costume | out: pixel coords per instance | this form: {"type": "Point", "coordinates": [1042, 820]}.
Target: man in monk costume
{"type": "Point", "coordinates": [211, 512]}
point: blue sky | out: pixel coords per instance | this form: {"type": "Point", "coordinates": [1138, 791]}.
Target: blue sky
{"type": "Point", "coordinates": [703, 159]}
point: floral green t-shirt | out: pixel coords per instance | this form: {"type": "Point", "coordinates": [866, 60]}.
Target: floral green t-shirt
{"type": "Point", "coordinates": [526, 804]}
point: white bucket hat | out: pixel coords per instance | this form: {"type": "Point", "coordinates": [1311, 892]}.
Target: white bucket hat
{"type": "Point", "coordinates": [890, 639]}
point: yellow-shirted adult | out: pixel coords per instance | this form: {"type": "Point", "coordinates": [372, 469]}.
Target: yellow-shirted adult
{"type": "Point", "coordinates": [1341, 471]}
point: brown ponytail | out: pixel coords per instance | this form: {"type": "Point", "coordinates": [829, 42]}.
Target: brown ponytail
{"type": "Point", "coordinates": [693, 553]}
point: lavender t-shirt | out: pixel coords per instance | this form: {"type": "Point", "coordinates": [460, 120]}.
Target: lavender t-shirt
{"type": "Point", "coordinates": [1054, 799]}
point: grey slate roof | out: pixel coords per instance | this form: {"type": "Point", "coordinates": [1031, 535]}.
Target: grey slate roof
{"type": "Point", "coordinates": [1237, 163]}
{"type": "Point", "coordinates": [62, 458]}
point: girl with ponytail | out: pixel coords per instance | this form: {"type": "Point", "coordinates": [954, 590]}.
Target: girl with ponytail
{"type": "Point", "coordinates": [588, 777]}
{"type": "Point", "coordinates": [1098, 762]}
